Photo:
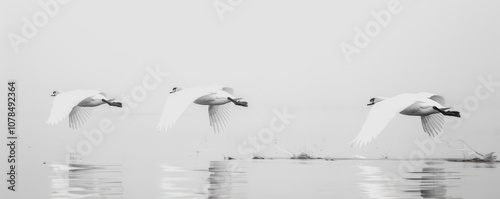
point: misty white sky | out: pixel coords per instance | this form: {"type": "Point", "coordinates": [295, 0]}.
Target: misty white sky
{"type": "Point", "coordinates": [275, 54]}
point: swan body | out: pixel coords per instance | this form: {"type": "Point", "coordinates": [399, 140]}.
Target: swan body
{"type": "Point", "coordinates": [214, 98]}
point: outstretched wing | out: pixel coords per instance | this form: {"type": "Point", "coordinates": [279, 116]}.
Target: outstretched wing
{"type": "Point", "coordinates": [380, 115]}
{"type": "Point", "coordinates": [178, 102]}
{"type": "Point", "coordinates": [219, 116]}
{"type": "Point", "coordinates": [78, 116]}
{"type": "Point", "coordinates": [64, 102]}
{"type": "Point", "coordinates": [433, 124]}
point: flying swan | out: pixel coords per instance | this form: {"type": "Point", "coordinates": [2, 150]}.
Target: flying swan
{"type": "Point", "coordinates": [217, 98]}
{"type": "Point", "coordinates": [430, 107]}
{"type": "Point", "coordinates": [77, 104]}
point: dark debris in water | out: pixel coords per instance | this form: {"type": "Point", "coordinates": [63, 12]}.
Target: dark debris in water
{"type": "Point", "coordinates": [258, 158]}
{"type": "Point", "coordinates": [303, 156]}
{"type": "Point", "coordinates": [478, 160]}
{"type": "Point", "coordinates": [471, 160]}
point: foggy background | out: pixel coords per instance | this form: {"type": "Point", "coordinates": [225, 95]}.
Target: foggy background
{"type": "Point", "coordinates": [275, 54]}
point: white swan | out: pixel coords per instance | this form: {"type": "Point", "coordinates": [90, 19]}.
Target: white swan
{"type": "Point", "coordinates": [216, 97]}
{"type": "Point", "coordinates": [428, 106]}
{"type": "Point", "coordinates": [77, 105]}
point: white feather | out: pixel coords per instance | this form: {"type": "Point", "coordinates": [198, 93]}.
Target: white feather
{"type": "Point", "coordinates": [433, 124]}
{"type": "Point", "coordinates": [64, 103]}
{"type": "Point", "coordinates": [437, 98]}
{"type": "Point", "coordinates": [79, 116]}
{"type": "Point", "coordinates": [219, 116]}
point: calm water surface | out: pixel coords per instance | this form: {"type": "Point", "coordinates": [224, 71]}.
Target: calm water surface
{"type": "Point", "coordinates": [280, 179]}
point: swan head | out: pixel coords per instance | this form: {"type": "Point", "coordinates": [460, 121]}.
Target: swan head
{"type": "Point", "coordinates": [55, 93]}
{"type": "Point", "coordinates": [375, 100]}
{"type": "Point", "coordinates": [176, 89]}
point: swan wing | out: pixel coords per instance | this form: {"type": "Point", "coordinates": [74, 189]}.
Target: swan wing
{"type": "Point", "coordinates": [177, 103]}
{"type": "Point", "coordinates": [219, 116]}
{"type": "Point", "coordinates": [380, 115]}
{"type": "Point", "coordinates": [78, 116]}
{"type": "Point", "coordinates": [433, 124]}
{"type": "Point", "coordinates": [437, 98]}
{"type": "Point", "coordinates": [64, 103]}
{"type": "Point", "coordinates": [228, 90]}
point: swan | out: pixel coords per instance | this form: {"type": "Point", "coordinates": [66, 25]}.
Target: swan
{"type": "Point", "coordinates": [77, 105]}
{"type": "Point", "coordinates": [217, 98]}
{"type": "Point", "coordinates": [430, 107]}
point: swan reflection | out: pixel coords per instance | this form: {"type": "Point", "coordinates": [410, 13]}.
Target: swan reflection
{"type": "Point", "coordinates": [86, 181]}
{"type": "Point", "coordinates": [429, 182]}
{"type": "Point", "coordinates": [222, 179]}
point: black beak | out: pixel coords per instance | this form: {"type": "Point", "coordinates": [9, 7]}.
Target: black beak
{"type": "Point", "coordinates": [171, 92]}
{"type": "Point", "coordinates": [53, 95]}
{"type": "Point", "coordinates": [370, 104]}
